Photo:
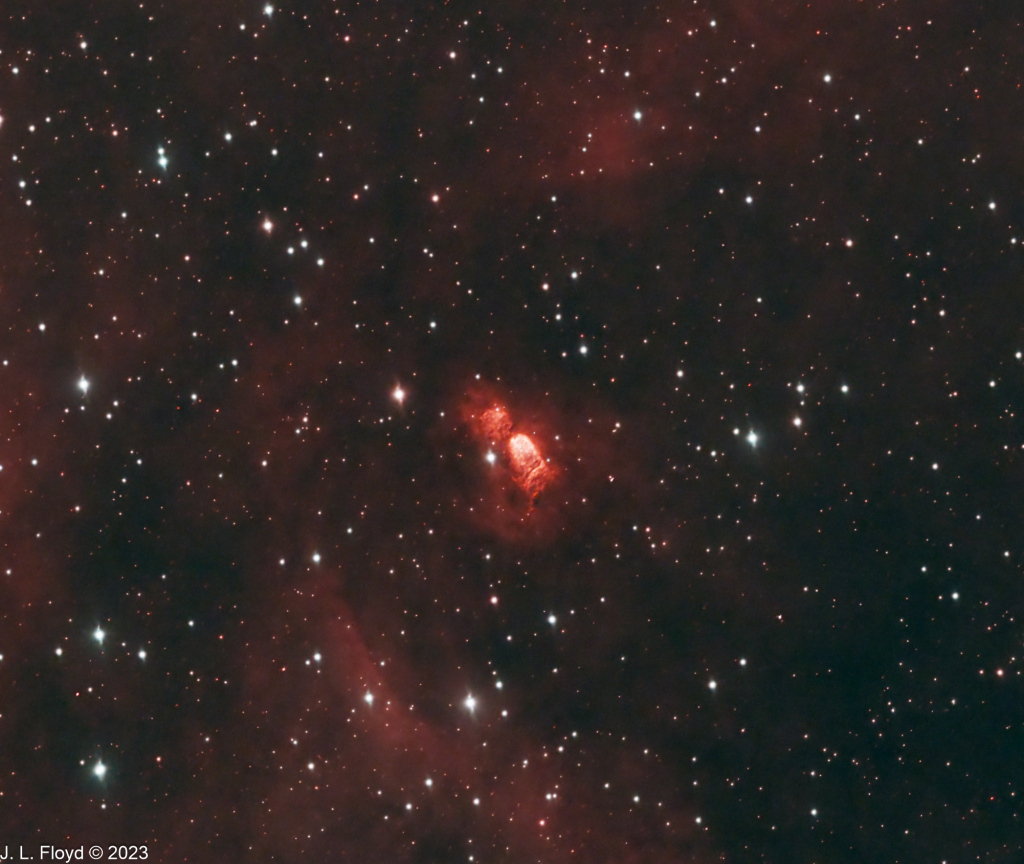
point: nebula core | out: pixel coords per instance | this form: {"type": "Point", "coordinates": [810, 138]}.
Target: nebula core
{"type": "Point", "coordinates": [526, 465]}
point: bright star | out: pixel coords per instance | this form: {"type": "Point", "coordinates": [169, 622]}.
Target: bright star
{"type": "Point", "coordinates": [470, 703]}
{"type": "Point", "coordinates": [98, 635]}
{"type": "Point", "coordinates": [752, 438]}
{"type": "Point", "coordinates": [99, 770]}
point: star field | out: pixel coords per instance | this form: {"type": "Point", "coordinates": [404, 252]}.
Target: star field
{"type": "Point", "coordinates": [520, 433]}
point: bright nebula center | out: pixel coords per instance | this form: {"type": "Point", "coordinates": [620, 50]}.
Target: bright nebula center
{"type": "Point", "coordinates": [530, 470]}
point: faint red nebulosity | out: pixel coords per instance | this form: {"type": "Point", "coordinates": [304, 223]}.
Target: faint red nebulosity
{"type": "Point", "coordinates": [496, 425]}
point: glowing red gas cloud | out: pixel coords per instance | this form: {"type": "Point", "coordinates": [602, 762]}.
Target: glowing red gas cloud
{"type": "Point", "coordinates": [530, 471]}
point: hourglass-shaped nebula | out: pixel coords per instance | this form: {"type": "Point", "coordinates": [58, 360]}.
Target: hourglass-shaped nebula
{"type": "Point", "coordinates": [530, 470]}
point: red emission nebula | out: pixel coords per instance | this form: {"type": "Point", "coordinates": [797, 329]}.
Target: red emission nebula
{"type": "Point", "coordinates": [517, 451]}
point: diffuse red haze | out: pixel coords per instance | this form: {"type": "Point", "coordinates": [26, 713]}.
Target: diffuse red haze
{"type": "Point", "coordinates": [496, 425]}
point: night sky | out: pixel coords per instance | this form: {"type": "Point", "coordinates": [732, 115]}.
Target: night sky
{"type": "Point", "coordinates": [515, 432]}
